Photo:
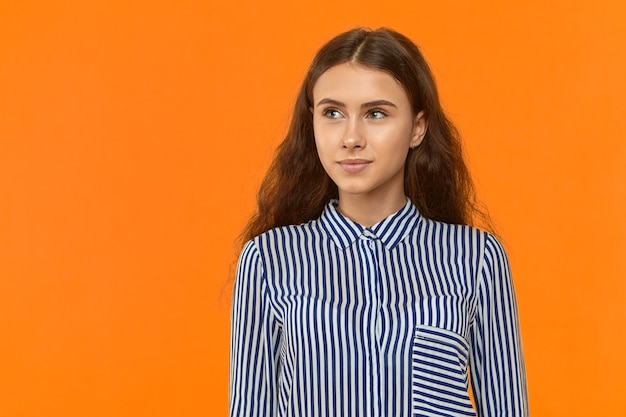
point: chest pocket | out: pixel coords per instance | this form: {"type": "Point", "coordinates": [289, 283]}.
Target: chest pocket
{"type": "Point", "coordinates": [439, 373]}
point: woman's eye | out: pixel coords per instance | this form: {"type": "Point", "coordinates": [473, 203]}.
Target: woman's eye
{"type": "Point", "coordinates": [377, 114]}
{"type": "Point", "coordinates": [332, 113]}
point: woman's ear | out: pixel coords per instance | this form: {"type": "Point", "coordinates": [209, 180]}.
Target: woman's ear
{"type": "Point", "coordinates": [419, 129]}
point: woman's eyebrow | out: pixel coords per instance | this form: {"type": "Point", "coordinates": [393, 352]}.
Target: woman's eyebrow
{"type": "Point", "coordinates": [330, 101]}
{"type": "Point", "coordinates": [368, 104]}
{"type": "Point", "coordinates": [378, 103]}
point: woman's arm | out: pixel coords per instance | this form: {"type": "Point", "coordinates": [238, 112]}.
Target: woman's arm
{"type": "Point", "coordinates": [497, 361]}
{"type": "Point", "coordinates": [255, 338]}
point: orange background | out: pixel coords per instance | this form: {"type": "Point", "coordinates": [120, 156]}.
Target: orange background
{"type": "Point", "coordinates": [133, 136]}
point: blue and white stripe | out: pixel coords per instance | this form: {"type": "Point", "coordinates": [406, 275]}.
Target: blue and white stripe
{"type": "Point", "coordinates": [334, 319]}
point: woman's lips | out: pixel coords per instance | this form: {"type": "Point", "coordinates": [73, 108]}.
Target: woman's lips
{"type": "Point", "coordinates": [354, 166]}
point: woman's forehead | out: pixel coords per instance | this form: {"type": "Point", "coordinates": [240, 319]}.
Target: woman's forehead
{"type": "Point", "coordinates": [353, 83]}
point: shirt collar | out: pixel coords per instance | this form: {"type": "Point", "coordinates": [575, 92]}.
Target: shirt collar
{"type": "Point", "coordinates": [391, 230]}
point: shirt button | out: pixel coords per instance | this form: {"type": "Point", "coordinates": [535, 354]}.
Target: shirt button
{"type": "Point", "coordinates": [368, 233]}
{"type": "Point", "coordinates": [371, 245]}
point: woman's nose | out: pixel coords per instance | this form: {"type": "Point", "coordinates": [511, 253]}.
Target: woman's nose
{"type": "Point", "coordinates": [353, 136]}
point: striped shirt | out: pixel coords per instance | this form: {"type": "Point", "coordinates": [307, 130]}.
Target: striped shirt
{"type": "Point", "coordinates": [331, 318]}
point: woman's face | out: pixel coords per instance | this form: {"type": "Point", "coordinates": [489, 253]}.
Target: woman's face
{"type": "Point", "coordinates": [364, 127]}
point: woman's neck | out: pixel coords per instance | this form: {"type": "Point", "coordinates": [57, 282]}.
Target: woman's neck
{"type": "Point", "coordinates": [368, 210]}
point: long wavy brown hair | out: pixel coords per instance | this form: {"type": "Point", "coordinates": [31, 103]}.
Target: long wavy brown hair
{"type": "Point", "coordinates": [296, 188]}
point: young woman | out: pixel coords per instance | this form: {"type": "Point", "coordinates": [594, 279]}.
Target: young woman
{"type": "Point", "coordinates": [362, 289]}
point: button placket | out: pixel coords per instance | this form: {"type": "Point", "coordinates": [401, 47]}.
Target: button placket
{"type": "Point", "coordinates": [370, 245]}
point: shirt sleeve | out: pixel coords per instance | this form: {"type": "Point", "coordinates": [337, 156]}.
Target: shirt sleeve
{"type": "Point", "coordinates": [497, 362]}
{"type": "Point", "coordinates": [255, 338]}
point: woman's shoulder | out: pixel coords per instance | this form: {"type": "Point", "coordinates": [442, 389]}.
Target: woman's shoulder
{"type": "Point", "coordinates": [460, 234]}
{"type": "Point", "coordinates": [289, 235]}
{"type": "Point", "coordinates": [453, 229]}
{"type": "Point", "coordinates": [461, 243]}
